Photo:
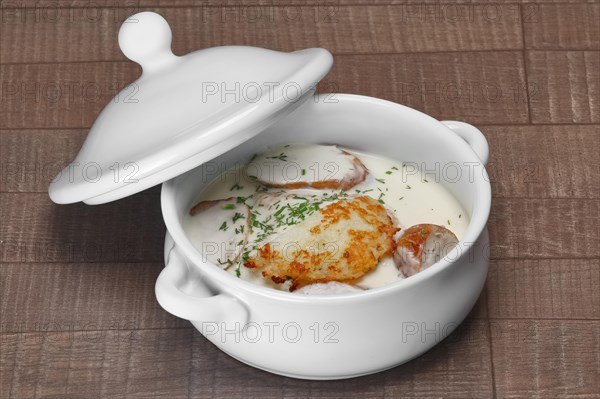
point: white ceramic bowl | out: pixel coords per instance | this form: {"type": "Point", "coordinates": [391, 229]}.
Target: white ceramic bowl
{"type": "Point", "coordinates": [332, 337]}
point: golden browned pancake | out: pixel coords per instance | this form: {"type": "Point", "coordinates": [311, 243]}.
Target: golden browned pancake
{"type": "Point", "coordinates": [341, 242]}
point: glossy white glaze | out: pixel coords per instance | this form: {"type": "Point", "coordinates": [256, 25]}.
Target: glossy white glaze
{"type": "Point", "coordinates": [373, 329]}
{"type": "Point", "coordinates": [183, 110]}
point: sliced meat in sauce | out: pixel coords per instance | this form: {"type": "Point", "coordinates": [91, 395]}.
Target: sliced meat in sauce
{"type": "Point", "coordinates": [330, 288]}
{"type": "Point", "coordinates": [421, 246]}
{"type": "Point", "coordinates": [306, 166]}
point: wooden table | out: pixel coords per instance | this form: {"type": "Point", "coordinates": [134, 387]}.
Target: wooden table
{"type": "Point", "coordinates": [79, 317]}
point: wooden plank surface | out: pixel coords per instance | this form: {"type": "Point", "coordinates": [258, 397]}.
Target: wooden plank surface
{"type": "Point", "coordinates": [78, 313]}
{"type": "Point", "coordinates": [96, 364]}
{"type": "Point", "coordinates": [60, 95]}
{"type": "Point", "coordinates": [529, 228]}
{"type": "Point", "coordinates": [479, 87]}
{"type": "Point", "coordinates": [521, 288]}
{"type": "Point", "coordinates": [526, 161]}
{"type": "Point", "coordinates": [91, 36]}
{"type": "Point", "coordinates": [135, 5]}
{"type": "Point", "coordinates": [90, 297]}
{"type": "Point", "coordinates": [132, 230]}
{"type": "Point", "coordinates": [82, 297]}
{"type": "Point", "coordinates": [546, 359]}
{"type": "Point", "coordinates": [456, 378]}
{"type": "Point", "coordinates": [562, 26]}
{"type": "Point", "coordinates": [545, 161]}
{"type": "Point", "coordinates": [180, 363]}
{"type": "Point", "coordinates": [564, 86]}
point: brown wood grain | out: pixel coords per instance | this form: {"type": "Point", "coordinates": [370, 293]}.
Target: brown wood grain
{"type": "Point", "coordinates": [31, 159]}
{"type": "Point", "coordinates": [60, 95]}
{"type": "Point", "coordinates": [35, 230]}
{"type": "Point", "coordinates": [544, 289]}
{"type": "Point", "coordinates": [136, 5]}
{"type": "Point", "coordinates": [537, 358]}
{"type": "Point", "coordinates": [564, 86]}
{"type": "Point", "coordinates": [526, 161]}
{"type": "Point", "coordinates": [476, 87]}
{"type": "Point", "coordinates": [92, 364]}
{"type": "Point", "coordinates": [91, 297]}
{"type": "Point", "coordinates": [81, 296]}
{"type": "Point", "coordinates": [546, 228]}
{"type": "Point", "coordinates": [467, 375]}
{"type": "Point", "coordinates": [92, 36]}
{"type": "Point", "coordinates": [132, 230]}
{"type": "Point", "coordinates": [544, 161]}
{"type": "Point", "coordinates": [181, 363]}
{"type": "Point", "coordinates": [78, 317]}
{"type": "Point", "coordinates": [563, 26]}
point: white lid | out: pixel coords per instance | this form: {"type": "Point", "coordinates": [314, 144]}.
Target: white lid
{"type": "Point", "coordinates": [182, 111]}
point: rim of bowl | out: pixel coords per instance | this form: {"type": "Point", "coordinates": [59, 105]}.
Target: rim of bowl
{"type": "Point", "coordinates": [477, 223]}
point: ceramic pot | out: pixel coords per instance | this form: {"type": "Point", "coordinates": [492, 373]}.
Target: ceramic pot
{"type": "Point", "coordinates": [341, 336]}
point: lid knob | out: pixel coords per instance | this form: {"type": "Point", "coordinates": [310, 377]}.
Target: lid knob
{"type": "Point", "coordinates": [145, 38]}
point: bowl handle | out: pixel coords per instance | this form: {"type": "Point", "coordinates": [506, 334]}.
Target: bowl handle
{"type": "Point", "coordinates": [473, 137]}
{"type": "Point", "coordinates": [220, 308]}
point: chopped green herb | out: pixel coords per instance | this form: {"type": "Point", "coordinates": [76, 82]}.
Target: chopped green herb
{"type": "Point", "coordinates": [223, 226]}
{"type": "Point", "coordinates": [408, 187]}
{"type": "Point", "coordinates": [460, 215]}
{"type": "Point", "coordinates": [425, 180]}
{"type": "Point", "coordinates": [236, 187]}
{"type": "Point", "coordinates": [381, 201]}
{"type": "Point", "coordinates": [237, 216]}
{"type": "Point", "coordinates": [389, 172]}
{"type": "Point", "coordinates": [381, 181]}
{"type": "Point", "coordinates": [281, 157]}
{"type": "Point", "coordinates": [241, 200]}
{"type": "Point", "coordinates": [448, 222]}
{"type": "Point", "coordinates": [229, 206]}
{"type": "Point", "coordinates": [303, 172]}
{"type": "Point", "coordinates": [401, 198]}
{"type": "Point", "coordinates": [227, 261]}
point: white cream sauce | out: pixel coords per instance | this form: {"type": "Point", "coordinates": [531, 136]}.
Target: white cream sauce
{"type": "Point", "coordinates": [411, 199]}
